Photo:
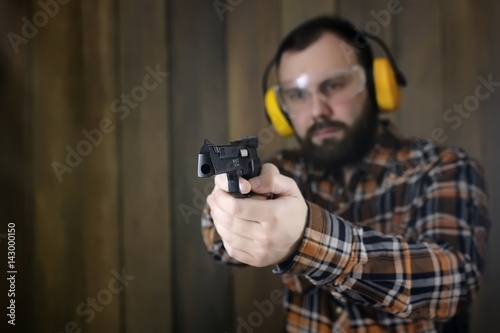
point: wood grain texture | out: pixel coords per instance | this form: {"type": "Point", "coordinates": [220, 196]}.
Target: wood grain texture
{"type": "Point", "coordinates": [100, 176]}
{"type": "Point", "coordinates": [75, 242]}
{"type": "Point", "coordinates": [145, 164]}
{"type": "Point", "coordinates": [134, 202]}
{"type": "Point", "coordinates": [418, 43]}
{"type": "Point", "coordinates": [460, 51]}
{"type": "Point", "coordinates": [294, 12]}
{"type": "Point", "coordinates": [203, 288]}
{"type": "Point", "coordinates": [252, 34]}
{"type": "Point", "coordinates": [486, 310]}
{"type": "Point", "coordinates": [16, 147]}
{"type": "Point", "coordinates": [376, 17]}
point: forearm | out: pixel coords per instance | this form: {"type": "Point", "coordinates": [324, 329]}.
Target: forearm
{"type": "Point", "coordinates": [409, 279]}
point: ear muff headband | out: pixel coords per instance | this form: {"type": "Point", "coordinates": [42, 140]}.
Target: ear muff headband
{"type": "Point", "coordinates": [387, 78]}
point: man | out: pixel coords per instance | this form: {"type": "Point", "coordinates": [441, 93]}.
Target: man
{"type": "Point", "coordinates": [370, 231]}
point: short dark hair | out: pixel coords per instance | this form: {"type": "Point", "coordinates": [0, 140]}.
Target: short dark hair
{"type": "Point", "coordinates": [310, 31]}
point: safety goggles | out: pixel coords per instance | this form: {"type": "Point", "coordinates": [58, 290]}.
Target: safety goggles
{"type": "Point", "coordinates": [332, 87]}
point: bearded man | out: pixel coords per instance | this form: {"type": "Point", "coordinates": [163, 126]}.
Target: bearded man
{"type": "Point", "coordinates": [370, 231]}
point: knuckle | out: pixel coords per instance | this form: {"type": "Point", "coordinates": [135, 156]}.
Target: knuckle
{"type": "Point", "coordinates": [289, 182]}
{"type": "Point", "coordinates": [273, 217]}
{"type": "Point", "coordinates": [230, 250]}
{"type": "Point", "coordinates": [232, 206]}
{"type": "Point", "coordinates": [220, 229]}
{"type": "Point", "coordinates": [225, 221]}
{"type": "Point", "coordinates": [265, 240]}
{"type": "Point", "coordinates": [228, 222]}
{"type": "Point", "coordinates": [227, 242]}
{"type": "Point", "coordinates": [226, 202]}
{"type": "Point", "coordinates": [270, 167]}
{"type": "Point", "coordinates": [272, 181]}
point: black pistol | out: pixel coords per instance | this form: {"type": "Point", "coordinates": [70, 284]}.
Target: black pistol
{"type": "Point", "coordinates": [237, 159]}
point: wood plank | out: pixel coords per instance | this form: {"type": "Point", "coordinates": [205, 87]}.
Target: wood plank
{"type": "Point", "coordinates": [145, 159]}
{"type": "Point", "coordinates": [75, 250]}
{"type": "Point", "coordinates": [378, 18]}
{"type": "Point", "coordinates": [249, 49]}
{"type": "Point", "coordinates": [59, 224]}
{"type": "Point", "coordinates": [76, 212]}
{"type": "Point", "coordinates": [203, 288]}
{"type": "Point", "coordinates": [418, 42]}
{"type": "Point", "coordinates": [294, 12]}
{"type": "Point", "coordinates": [99, 169]}
{"type": "Point", "coordinates": [486, 309]}
{"type": "Point", "coordinates": [16, 145]}
{"type": "Point", "coordinates": [462, 112]}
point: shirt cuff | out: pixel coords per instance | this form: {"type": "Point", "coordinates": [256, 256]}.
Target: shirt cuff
{"type": "Point", "coordinates": [326, 249]}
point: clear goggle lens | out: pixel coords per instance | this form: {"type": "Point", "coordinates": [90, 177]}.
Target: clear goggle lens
{"type": "Point", "coordinates": [332, 87]}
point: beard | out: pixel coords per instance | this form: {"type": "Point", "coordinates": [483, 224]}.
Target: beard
{"type": "Point", "coordinates": [333, 154]}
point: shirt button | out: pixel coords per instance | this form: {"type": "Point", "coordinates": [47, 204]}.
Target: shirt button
{"type": "Point", "coordinates": [342, 205]}
{"type": "Point", "coordinates": [339, 309]}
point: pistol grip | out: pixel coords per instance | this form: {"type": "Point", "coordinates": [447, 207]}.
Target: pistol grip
{"type": "Point", "coordinates": [233, 185]}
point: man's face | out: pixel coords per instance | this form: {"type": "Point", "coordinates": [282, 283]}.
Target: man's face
{"type": "Point", "coordinates": [333, 125]}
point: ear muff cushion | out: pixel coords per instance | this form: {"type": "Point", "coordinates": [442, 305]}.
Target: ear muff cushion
{"type": "Point", "coordinates": [386, 86]}
{"type": "Point", "coordinates": [276, 115]}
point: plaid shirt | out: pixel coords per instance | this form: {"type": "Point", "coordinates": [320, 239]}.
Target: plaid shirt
{"type": "Point", "coordinates": [400, 249]}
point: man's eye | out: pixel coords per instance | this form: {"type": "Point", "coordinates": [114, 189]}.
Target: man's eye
{"type": "Point", "coordinates": [332, 85]}
{"type": "Point", "coordinates": [295, 94]}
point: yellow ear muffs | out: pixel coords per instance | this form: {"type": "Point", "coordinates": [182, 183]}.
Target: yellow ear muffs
{"type": "Point", "coordinates": [386, 85]}
{"type": "Point", "coordinates": [276, 115]}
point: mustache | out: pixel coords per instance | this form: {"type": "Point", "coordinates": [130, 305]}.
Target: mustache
{"type": "Point", "coordinates": [327, 123]}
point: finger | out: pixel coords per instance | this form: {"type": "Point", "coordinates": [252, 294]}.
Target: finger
{"type": "Point", "coordinates": [237, 246]}
{"type": "Point", "coordinates": [235, 207]}
{"type": "Point", "coordinates": [253, 209]}
{"type": "Point", "coordinates": [244, 228]}
{"type": "Point", "coordinates": [234, 243]}
{"type": "Point", "coordinates": [235, 239]}
{"type": "Point", "coordinates": [223, 200]}
{"type": "Point", "coordinates": [240, 255]}
{"type": "Point", "coordinates": [270, 181]}
{"type": "Point", "coordinates": [221, 182]}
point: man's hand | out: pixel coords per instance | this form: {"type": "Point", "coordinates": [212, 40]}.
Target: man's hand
{"type": "Point", "coordinates": [254, 230]}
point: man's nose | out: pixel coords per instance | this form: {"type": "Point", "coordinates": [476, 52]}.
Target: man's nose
{"type": "Point", "coordinates": [319, 106]}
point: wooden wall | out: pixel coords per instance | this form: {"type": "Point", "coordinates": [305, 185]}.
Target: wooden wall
{"type": "Point", "coordinates": [134, 88]}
